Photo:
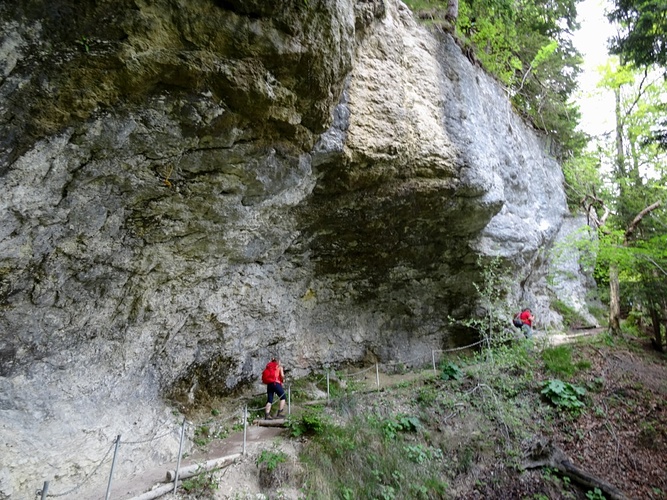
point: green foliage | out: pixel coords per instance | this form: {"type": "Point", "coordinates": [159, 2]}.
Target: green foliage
{"type": "Point", "coordinates": [643, 35]}
{"type": "Point", "coordinates": [582, 178]}
{"type": "Point", "coordinates": [595, 494]}
{"type": "Point", "coordinates": [427, 395]}
{"type": "Point", "coordinates": [544, 54]}
{"type": "Point", "coordinates": [83, 43]}
{"type": "Point", "coordinates": [562, 483]}
{"type": "Point", "coordinates": [337, 441]}
{"type": "Point", "coordinates": [450, 371]}
{"type": "Point", "coordinates": [418, 453]}
{"type": "Point", "coordinates": [527, 47]}
{"type": "Point", "coordinates": [633, 239]}
{"type": "Point", "coordinates": [511, 372]}
{"type": "Point", "coordinates": [490, 26]}
{"type": "Point", "coordinates": [564, 395]}
{"type": "Point", "coordinates": [558, 360]}
{"type": "Point", "coordinates": [360, 461]}
{"type": "Point", "coordinates": [271, 459]}
{"type": "Point", "coordinates": [312, 422]}
{"type": "Point", "coordinates": [393, 426]}
{"type": "Point", "coordinates": [201, 484]}
{"type": "Point", "coordinates": [492, 288]}
{"type": "Point", "coordinates": [373, 453]}
{"type": "Point", "coordinates": [202, 435]}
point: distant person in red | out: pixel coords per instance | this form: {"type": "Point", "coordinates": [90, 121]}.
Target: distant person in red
{"type": "Point", "coordinates": [274, 378]}
{"type": "Point", "coordinates": [527, 319]}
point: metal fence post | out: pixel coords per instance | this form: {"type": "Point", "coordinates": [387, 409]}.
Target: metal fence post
{"type": "Point", "coordinates": [245, 427]}
{"type": "Point", "coordinates": [45, 490]}
{"type": "Point", "coordinates": [289, 399]}
{"type": "Point", "coordinates": [178, 461]}
{"type": "Point", "coordinates": [433, 356]}
{"type": "Point", "coordinates": [328, 396]}
{"type": "Point", "coordinates": [113, 464]}
{"type": "Point", "coordinates": [377, 375]}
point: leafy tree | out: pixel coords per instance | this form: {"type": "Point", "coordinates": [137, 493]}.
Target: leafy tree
{"type": "Point", "coordinates": [550, 66]}
{"type": "Point", "coordinates": [642, 41]}
{"type": "Point", "coordinates": [643, 32]}
{"type": "Point", "coordinates": [631, 213]}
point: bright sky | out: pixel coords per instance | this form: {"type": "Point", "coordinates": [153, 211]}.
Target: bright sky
{"type": "Point", "coordinates": [597, 111]}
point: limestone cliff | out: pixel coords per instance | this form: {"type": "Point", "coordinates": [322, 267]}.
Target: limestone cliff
{"type": "Point", "coordinates": [190, 187]}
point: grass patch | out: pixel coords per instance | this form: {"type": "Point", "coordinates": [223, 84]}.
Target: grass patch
{"type": "Point", "coordinates": [473, 411]}
{"type": "Point", "coordinates": [558, 361]}
{"type": "Point", "coordinates": [372, 457]}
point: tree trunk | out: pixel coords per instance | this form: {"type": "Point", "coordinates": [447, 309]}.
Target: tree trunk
{"type": "Point", "coordinates": [620, 150]}
{"type": "Point", "coordinates": [614, 286]}
{"type": "Point", "coordinates": [655, 319]}
{"type": "Point", "coordinates": [196, 469]}
{"type": "Point", "coordinates": [543, 453]}
{"type": "Point", "coordinates": [452, 11]}
{"type": "Point", "coordinates": [659, 340]}
{"type": "Point", "coordinates": [614, 301]}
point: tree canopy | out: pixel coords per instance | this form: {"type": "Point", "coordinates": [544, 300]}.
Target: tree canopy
{"type": "Point", "coordinates": [642, 39]}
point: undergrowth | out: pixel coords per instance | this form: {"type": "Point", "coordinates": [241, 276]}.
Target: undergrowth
{"type": "Point", "coordinates": [429, 438]}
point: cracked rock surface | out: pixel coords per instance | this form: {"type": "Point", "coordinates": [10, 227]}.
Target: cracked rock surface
{"type": "Point", "coordinates": [192, 187]}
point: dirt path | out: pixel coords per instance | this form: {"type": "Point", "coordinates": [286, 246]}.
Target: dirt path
{"type": "Point", "coordinates": [131, 487]}
{"type": "Point", "coordinates": [571, 336]}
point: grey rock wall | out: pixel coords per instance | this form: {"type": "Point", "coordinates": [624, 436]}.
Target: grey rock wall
{"type": "Point", "coordinates": [189, 188]}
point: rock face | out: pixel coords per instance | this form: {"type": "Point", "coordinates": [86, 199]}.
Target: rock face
{"type": "Point", "coordinates": [191, 187]}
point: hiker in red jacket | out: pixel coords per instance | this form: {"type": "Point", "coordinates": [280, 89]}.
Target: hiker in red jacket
{"type": "Point", "coordinates": [274, 378]}
{"type": "Point", "coordinates": [527, 319]}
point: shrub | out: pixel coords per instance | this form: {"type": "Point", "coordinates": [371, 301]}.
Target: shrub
{"type": "Point", "coordinates": [312, 422]}
{"type": "Point", "coordinates": [564, 395]}
{"type": "Point", "coordinates": [450, 371]}
{"type": "Point", "coordinates": [271, 459]}
{"type": "Point", "coordinates": [391, 427]}
{"type": "Point", "coordinates": [201, 484]}
{"type": "Point", "coordinates": [274, 470]}
{"type": "Point", "coordinates": [427, 395]}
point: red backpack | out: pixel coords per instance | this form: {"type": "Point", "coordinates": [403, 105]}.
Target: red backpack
{"type": "Point", "coordinates": [270, 373]}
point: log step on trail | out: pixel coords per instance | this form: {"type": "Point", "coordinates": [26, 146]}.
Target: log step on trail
{"type": "Point", "coordinates": [186, 472]}
{"type": "Point", "coordinates": [276, 422]}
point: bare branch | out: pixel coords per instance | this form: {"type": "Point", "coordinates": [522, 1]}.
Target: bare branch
{"type": "Point", "coordinates": [638, 218]}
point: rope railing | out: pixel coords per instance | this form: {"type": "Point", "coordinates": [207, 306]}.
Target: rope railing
{"type": "Point", "coordinates": [408, 361]}
{"type": "Point", "coordinates": [360, 372]}
{"type": "Point", "coordinates": [149, 440]}
{"type": "Point", "coordinates": [44, 491]}
{"type": "Point", "coordinates": [454, 349]}
{"type": "Point", "coordinates": [116, 444]}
